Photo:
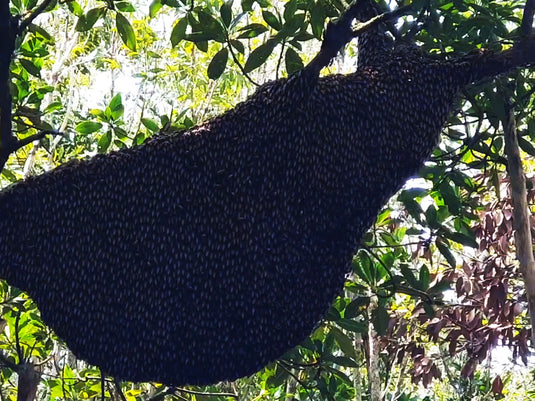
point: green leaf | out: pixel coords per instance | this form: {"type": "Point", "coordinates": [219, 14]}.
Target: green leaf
{"type": "Point", "coordinates": [247, 5]}
{"type": "Point", "coordinates": [116, 107]}
{"type": "Point", "coordinates": [179, 31]}
{"type": "Point", "coordinates": [252, 31]}
{"type": "Point", "coordinates": [526, 146]}
{"type": "Point", "coordinates": [451, 199]}
{"type": "Point", "coordinates": [355, 307]}
{"type": "Point", "coordinates": [289, 9]}
{"type": "Point", "coordinates": [445, 251]}
{"type": "Point", "coordinates": [424, 278]}
{"type": "Point", "coordinates": [104, 142]}
{"type": "Point", "coordinates": [409, 275]}
{"type": "Point", "coordinates": [294, 24]}
{"type": "Point", "coordinates": [154, 7]}
{"type": "Point", "coordinates": [363, 267]}
{"type": "Point", "coordinates": [344, 342]}
{"type": "Point", "coordinates": [126, 32]}
{"type": "Point", "coordinates": [218, 64]}
{"type": "Point", "coordinates": [293, 61]}
{"type": "Point", "coordinates": [259, 55]}
{"type": "Point", "coordinates": [88, 127]}
{"type": "Point", "coordinates": [211, 27]}
{"type": "Point", "coordinates": [429, 310]}
{"type": "Point", "coordinates": [75, 8]}
{"type": "Point", "coordinates": [226, 12]}
{"type": "Point", "coordinates": [30, 67]}
{"type": "Point", "coordinates": [317, 20]}
{"type": "Point", "coordinates": [237, 45]}
{"type": "Point", "coordinates": [352, 325]}
{"type": "Point", "coordinates": [125, 6]}
{"type": "Point", "coordinates": [341, 361]}
{"type": "Point", "coordinates": [202, 45]}
{"type": "Point", "coordinates": [86, 22]}
{"type": "Point", "coordinates": [150, 124]}
{"type": "Point", "coordinates": [462, 239]}
{"type": "Point", "coordinates": [53, 106]}
{"type": "Point", "coordinates": [9, 175]}
{"type": "Point", "coordinates": [380, 320]}
{"type": "Point", "coordinates": [272, 20]}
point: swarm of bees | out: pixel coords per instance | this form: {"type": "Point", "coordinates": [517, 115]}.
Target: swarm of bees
{"type": "Point", "coordinates": [203, 255]}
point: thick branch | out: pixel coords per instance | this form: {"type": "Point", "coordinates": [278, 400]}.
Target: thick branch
{"type": "Point", "coordinates": [482, 64]}
{"type": "Point", "coordinates": [7, 47]}
{"type": "Point", "coordinates": [521, 215]}
{"type": "Point", "coordinates": [527, 18]}
{"type": "Point", "coordinates": [340, 33]}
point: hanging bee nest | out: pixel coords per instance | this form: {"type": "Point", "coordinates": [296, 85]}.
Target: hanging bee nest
{"type": "Point", "coordinates": [203, 255]}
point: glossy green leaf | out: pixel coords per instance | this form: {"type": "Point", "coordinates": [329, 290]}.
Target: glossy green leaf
{"type": "Point", "coordinates": [272, 20]}
{"type": "Point", "coordinates": [381, 318]}
{"type": "Point", "coordinates": [247, 5]}
{"type": "Point", "coordinates": [86, 22]}
{"type": "Point", "coordinates": [116, 107]}
{"type": "Point", "coordinates": [104, 142]}
{"type": "Point", "coordinates": [252, 31]}
{"type": "Point", "coordinates": [236, 44]}
{"type": "Point", "coordinates": [150, 124]}
{"type": "Point", "coordinates": [218, 64]}
{"type": "Point", "coordinates": [409, 275]}
{"type": "Point", "coordinates": [344, 342]}
{"type": "Point", "coordinates": [317, 20]}
{"type": "Point", "coordinates": [226, 12]}
{"type": "Point", "coordinates": [211, 27]}
{"type": "Point", "coordinates": [75, 8]}
{"type": "Point", "coordinates": [292, 61]}
{"type": "Point", "coordinates": [526, 146]}
{"type": "Point", "coordinates": [290, 9]}
{"type": "Point", "coordinates": [154, 7]}
{"type": "Point", "coordinates": [445, 251]}
{"type": "Point", "coordinates": [125, 6]}
{"type": "Point", "coordinates": [424, 278]}
{"type": "Point", "coordinates": [88, 127]}
{"type": "Point", "coordinates": [352, 325]}
{"type": "Point", "coordinates": [30, 67]}
{"type": "Point", "coordinates": [202, 45]}
{"type": "Point", "coordinates": [126, 32]}
{"type": "Point", "coordinates": [178, 32]}
{"type": "Point", "coordinates": [341, 361]}
{"type": "Point", "coordinates": [259, 55]}
{"type": "Point", "coordinates": [462, 239]}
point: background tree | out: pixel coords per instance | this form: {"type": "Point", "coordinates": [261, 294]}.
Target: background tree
{"type": "Point", "coordinates": [435, 287]}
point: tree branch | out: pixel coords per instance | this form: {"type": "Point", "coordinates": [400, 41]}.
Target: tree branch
{"type": "Point", "coordinates": [27, 21]}
{"type": "Point", "coordinates": [527, 18]}
{"type": "Point", "coordinates": [7, 47]}
{"type": "Point", "coordinates": [340, 33]}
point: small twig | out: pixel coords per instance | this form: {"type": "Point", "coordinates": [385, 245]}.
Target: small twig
{"type": "Point", "coordinates": [378, 259]}
{"type": "Point", "coordinates": [296, 379]}
{"type": "Point", "coordinates": [29, 139]}
{"type": "Point", "coordinates": [27, 21]}
{"type": "Point", "coordinates": [119, 390]}
{"type": "Point", "coordinates": [206, 393]}
{"type": "Point", "coordinates": [237, 62]}
{"type": "Point", "coordinates": [17, 339]}
{"type": "Point", "coordinates": [279, 61]}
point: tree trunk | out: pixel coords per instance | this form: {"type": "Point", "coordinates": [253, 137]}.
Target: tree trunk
{"type": "Point", "coordinates": [521, 214]}
{"type": "Point", "coordinates": [374, 378]}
